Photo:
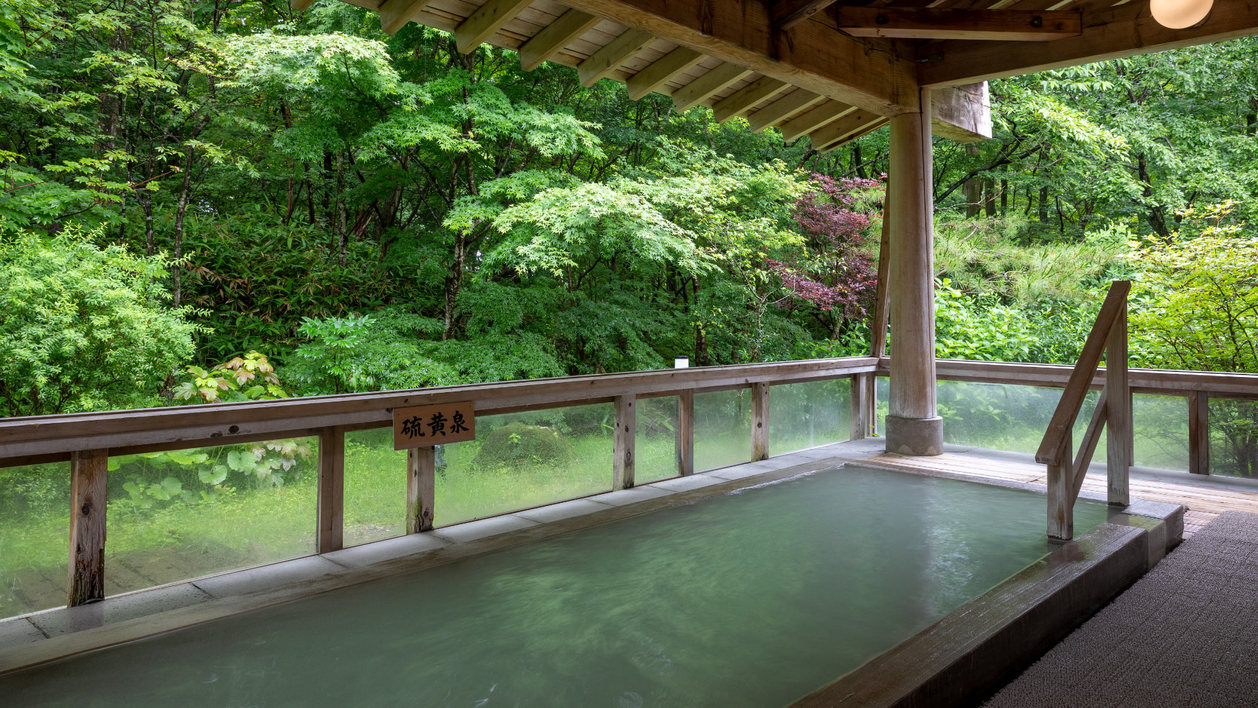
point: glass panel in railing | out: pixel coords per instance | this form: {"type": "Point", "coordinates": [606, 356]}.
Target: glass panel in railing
{"type": "Point", "coordinates": [186, 513]}
{"type": "Point", "coordinates": [723, 428]}
{"type": "Point", "coordinates": [655, 449]}
{"type": "Point", "coordinates": [523, 460]}
{"type": "Point", "coordinates": [34, 537]}
{"type": "Point", "coordinates": [375, 487]}
{"type": "Point", "coordinates": [1005, 416]}
{"type": "Point", "coordinates": [1160, 432]}
{"type": "Point", "coordinates": [1234, 438]}
{"type": "Point", "coordinates": [803, 415]}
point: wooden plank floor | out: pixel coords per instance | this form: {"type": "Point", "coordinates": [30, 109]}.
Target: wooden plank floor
{"type": "Point", "coordinates": [1205, 498]}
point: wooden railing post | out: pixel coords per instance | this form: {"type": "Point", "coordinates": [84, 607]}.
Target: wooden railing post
{"type": "Point", "coordinates": [860, 406]}
{"type": "Point", "coordinates": [1061, 513]}
{"type": "Point", "coordinates": [685, 445]}
{"type": "Point", "coordinates": [1198, 432]}
{"type": "Point", "coordinates": [331, 490]}
{"type": "Point", "coordinates": [1118, 413]}
{"type": "Point", "coordinates": [88, 471]}
{"type": "Point", "coordinates": [421, 483]}
{"type": "Point", "coordinates": [623, 442]}
{"type": "Point", "coordinates": [759, 421]}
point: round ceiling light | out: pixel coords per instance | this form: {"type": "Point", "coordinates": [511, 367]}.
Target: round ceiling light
{"type": "Point", "coordinates": [1180, 14]}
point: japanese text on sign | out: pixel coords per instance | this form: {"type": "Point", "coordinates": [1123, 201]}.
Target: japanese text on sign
{"type": "Point", "coordinates": [433, 425]}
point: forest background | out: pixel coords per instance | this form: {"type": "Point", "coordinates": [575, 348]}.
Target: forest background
{"type": "Point", "coordinates": [229, 200]}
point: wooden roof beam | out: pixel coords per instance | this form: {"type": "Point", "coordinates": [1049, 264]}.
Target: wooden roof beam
{"type": "Point", "coordinates": [610, 57]}
{"type": "Point", "coordinates": [485, 21]}
{"type": "Point", "coordinates": [932, 23]}
{"type": "Point", "coordinates": [848, 127]}
{"type": "Point", "coordinates": [662, 71]}
{"type": "Point", "coordinates": [394, 14]}
{"type": "Point", "coordinates": [300, 5]}
{"type": "Point", "coordinates": [707, 86]}
{"type": "Point", "coordinates": [813, 119]}
{"type": "Point", "coordinates": [793, 102]}
{"type": "Point", "coordinates": [788, 13]}
{"type": "Point", "coordinates": [744, 98]}
{"type": "Point", "coordinates": [866, 73]}
{"type": "Point", "coordinates": [553, 37]}
{"type": "Point", "coordinates": [1109, 32]}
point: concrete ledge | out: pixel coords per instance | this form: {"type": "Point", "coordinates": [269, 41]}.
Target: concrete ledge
{"type": "Point", "coordinates": [977, 648]}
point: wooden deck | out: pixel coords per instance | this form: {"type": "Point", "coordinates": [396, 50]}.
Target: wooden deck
{"type": "Point", "coordinates": [1205, 497]}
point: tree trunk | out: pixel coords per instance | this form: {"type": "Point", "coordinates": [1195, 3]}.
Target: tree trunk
{"type": "Point", "coordinates": [989, 197]}
{"type": "Point", "coordinates": [454, 283]}
{"type": "Point", "coordinates": [1043, 205]}
{"type": "Point", "coordinates": [181, 209]}
{"type": "Point", "coordinates": [972, 190]}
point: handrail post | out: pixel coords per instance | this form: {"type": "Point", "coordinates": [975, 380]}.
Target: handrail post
{"type": "Point", "coordinates": [331, 492]}
{"type": "Point", "coordinates": [623, 442]}
{"type": "Point", "coordinates": [1118, 414]}
{"type": "Point", "coordinates": [1061, 513]}
{"type": "Point", "coordinates": [859, 409]}
{"type": "Point", "coordinates": [759, 421]}
{"type": "Point", "coordinates": [1198, 432]}
{"type": "Point", "coordinates": [88, 475]}
{"type": "Point", "coordinates": [421, 482]}
{"type": "Point", "coordinates": [685, 444]}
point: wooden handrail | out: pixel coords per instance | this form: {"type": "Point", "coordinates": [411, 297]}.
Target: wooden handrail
{"type": "Point", "coordinates": [49, 438]}
{"type": "Point", "coordinates": [1051, 448]}
{"type": "Point", "coordinates": [1066, 471]}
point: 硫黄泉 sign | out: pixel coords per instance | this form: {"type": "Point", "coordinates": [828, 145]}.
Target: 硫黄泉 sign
{"type": "Point", "coordinates": [424, 426]}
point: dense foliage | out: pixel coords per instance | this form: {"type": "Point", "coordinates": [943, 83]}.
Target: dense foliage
{"type": "Point", "coordinates": [366, 211]}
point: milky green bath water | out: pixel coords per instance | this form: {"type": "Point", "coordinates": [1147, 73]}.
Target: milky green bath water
{"type": "Point", "coordinates": [753, 598]}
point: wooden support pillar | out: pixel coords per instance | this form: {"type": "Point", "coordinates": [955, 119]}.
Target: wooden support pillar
{"type": "Point", "coordinates": [331, 490]}
{"type": "Point", "coordinates": [421, 485]}
{"type": "Point", "coordinates": [685, 445]}
{"type": "Point", "coordinates": [1198, 432]}
{"type": "Point", "coordinates": [1061, 508]}
{"type": "Point", "coordinates": [86, 581]}
{"type": "Point", "coordinates": [759, 421]}
{"type": "Point", "coordinates": [1118, 423]}
{"type": "Point", "coordinates": [623, 442]}
{"type": "Point", "coordinates": [913, 424]}
{"type": "Point", "coordinates": [860, 405]}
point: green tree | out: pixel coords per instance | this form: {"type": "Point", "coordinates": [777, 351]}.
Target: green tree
{"type": "Point", "coordinates": [84, 328]}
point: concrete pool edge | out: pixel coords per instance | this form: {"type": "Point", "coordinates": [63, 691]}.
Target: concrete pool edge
{"type": "Point", "coordinates": [49, 635]}
{"type": "Point", "coordinates": [974, 650]}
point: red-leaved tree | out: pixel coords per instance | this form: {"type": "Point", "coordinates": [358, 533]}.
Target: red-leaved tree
{"type": "Point", "coordinates": [836, 277]}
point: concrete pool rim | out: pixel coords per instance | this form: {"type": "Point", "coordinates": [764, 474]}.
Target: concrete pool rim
{"type": "Point", "coordinates": [49, 635]}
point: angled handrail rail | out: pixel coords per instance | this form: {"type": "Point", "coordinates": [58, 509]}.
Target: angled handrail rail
{"type": "Point", "coordinates": [1113, 410]}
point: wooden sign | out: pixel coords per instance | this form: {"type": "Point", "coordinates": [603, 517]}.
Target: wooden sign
{"type": "Point", "coordinates": [425, 426]}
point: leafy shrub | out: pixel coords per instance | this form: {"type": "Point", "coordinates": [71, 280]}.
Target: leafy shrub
{"type": "Point", "coordinates": [519, 443]}
{"type": "Point", "coordinates": [84, 328]}
{"type": "Point", "coordinates": [373, 352]}
{"type": "Point", "coordinates": [228, 381]}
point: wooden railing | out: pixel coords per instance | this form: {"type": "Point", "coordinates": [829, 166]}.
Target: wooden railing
{"type": "Point", "coordinates": [1065, 469]}
{"type": "Point", "coordinates": [88, 440]}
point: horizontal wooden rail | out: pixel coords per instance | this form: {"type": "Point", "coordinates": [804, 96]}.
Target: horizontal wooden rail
{"type": "Point", "coordinates": [50, 438]}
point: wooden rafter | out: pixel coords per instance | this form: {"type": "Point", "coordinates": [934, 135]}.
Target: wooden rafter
{"type": "Point", "coordinates": [814, 118]}
{"type": "Point", "coordinates": [743, 99]}
{"type": "Point", "coordinates": [788, 13]}
{"type": "Point", "coordinates": [931, 23]}
{"type": "Point", "coordinates": [553, 37]}
{"type": "Point", "coordinates": [851, 124]}
{"type": "Point", "coordinates": [661, 71]}
{"type": "Point", "coordinates": [394, 14]}
{"type": "Point", "coordinates": [793, 102]}
{"type": "Point", "coordinates": [1109, 32]}
{"type": "Point", "coordinates": [707, 86]}
{"type": "Point", "coordinates": [610, 57]}
{"type": "Point", "coordinates": [488, 19]}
